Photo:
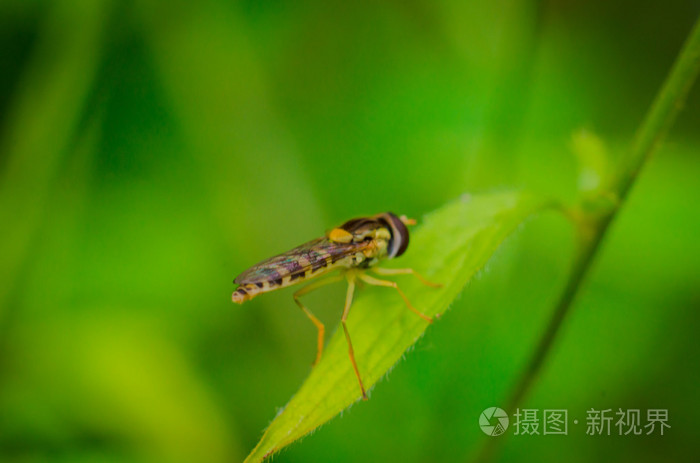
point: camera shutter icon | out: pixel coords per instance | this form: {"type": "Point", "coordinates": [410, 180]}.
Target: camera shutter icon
{"type": "Point", "coordinates": [494, 421]}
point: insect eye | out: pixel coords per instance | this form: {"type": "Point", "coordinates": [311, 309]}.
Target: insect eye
{"type": "Point", "coordinates": [399, 235]}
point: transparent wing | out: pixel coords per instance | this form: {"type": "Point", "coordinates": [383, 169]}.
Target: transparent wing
{"type": "Point", "coordinates": [309, 256]}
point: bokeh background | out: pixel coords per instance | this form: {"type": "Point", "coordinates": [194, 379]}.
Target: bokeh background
{"type": "Point", "coordinates": [152, 150]}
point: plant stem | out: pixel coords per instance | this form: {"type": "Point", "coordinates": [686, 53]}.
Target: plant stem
{"type": "Point", "coordinates": [587, 250]}
{"type": "Point", "coordinates": [592, 227]}
{"type": "Point", "coordinates": [668, 103]}
{"type": "Point", "coordinates": [659, 119]}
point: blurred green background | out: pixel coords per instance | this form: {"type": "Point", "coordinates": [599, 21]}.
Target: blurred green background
{"type": "Point", "coordinates": [151, 151]}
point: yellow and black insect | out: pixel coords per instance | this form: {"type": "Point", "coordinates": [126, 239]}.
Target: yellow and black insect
{"type": "Point", "coordinates": [353, 248]}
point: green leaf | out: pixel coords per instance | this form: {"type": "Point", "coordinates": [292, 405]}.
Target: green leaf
{"type": "Point", "coordinates": [451, 245]}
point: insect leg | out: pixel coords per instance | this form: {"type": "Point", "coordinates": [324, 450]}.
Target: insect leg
{"type": "Point", "coordinates": [392, 284]}
{"type": "Point", "coordinates": [404, 271]}
{"type": "Point", "coordinates": [314, 320]}
{"type": "Point", "coordinates": [346, 310]}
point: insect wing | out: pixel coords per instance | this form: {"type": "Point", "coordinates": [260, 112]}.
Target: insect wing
{"type": "Point", "coordinates": [312, 256]}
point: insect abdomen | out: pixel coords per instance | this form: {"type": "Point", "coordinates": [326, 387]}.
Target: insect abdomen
{"type": "Point", "coordinates": [247, 291]}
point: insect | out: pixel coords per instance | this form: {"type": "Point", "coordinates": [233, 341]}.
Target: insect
{"type": "Point", "coordinates": [354, 248]}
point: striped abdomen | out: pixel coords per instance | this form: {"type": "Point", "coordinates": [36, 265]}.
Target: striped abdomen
{"type": "Point", "coordinates": [248, 291]}
{"type": "Point", "coordinates": [313, 259]}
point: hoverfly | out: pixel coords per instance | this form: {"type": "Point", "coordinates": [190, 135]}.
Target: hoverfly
{"type": "Point", "coordinates": [354, 248]}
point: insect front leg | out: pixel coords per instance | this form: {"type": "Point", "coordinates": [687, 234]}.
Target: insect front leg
{"type": "Point", "coordinates": [405, 271]}
{"type": "Point", "coordinates": [392, 284]}
{"type": "Point", "coordinates": [314, 320]}
{"type": "Point", "coordinates": [346, 310]}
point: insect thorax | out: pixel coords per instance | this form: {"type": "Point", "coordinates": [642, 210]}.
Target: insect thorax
{"type": "Point", "coordinates": [387, 232]}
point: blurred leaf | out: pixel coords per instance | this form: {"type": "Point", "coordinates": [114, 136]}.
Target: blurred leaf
{"type": "Point", "coordinates": [594, 164]}
{"type": "Point", "coordinates": [42, 119]}
{"type": "Point", "coordinates": [219, 92]}
{"type": "Point", "coordinates": [450, 247]}
{"type": "Point", "coordinates": [123, 377]}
